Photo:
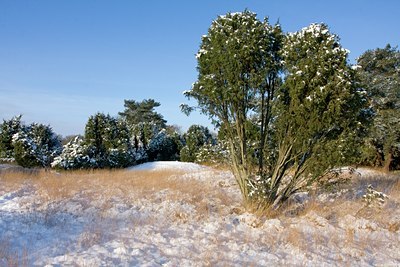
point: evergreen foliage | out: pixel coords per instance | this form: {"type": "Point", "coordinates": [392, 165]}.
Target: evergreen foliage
{"type": "Point", "coordinates": [238, 64]}
{"type": "Point", "coordinates": [143, 121]}
{"type": "Point", "coordinates": [163, 146]}
{"type": "Point", "coordinates": [318, 111]}
{"type": "Point", "coordinates": [25, 150]}
{"type": "Point", "coordinates": [35, 145]}
{"type": "Point", "coordinates": [7, 131]}
{"type": "Point", "coordinates": [215, 154]}
{"type": "Point", "coordinates": [379, 70]}
{"type": "Point", "coordinates": [136, 112]}
{"type": "Point", "coordinates": [108, 142]}
{"type": "Point", "coordinates": [282, 103]}
{"type": "Point", "coordinates": [196, 137]}
{"type": "Point", "coordinates": [73, 156]}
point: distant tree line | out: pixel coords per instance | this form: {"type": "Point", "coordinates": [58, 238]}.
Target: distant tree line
{"type": "Point", "coordinates": [139, 134]}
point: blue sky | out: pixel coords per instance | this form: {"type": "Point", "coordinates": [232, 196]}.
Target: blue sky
{"type": "Point", "coordinates": [62, 61]}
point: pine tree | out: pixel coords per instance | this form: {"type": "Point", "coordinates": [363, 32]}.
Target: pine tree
{"type": "Point", "coordinates": [137, 112]}
{"type": "Point", "coordinates": [94, 139]}
{"type": "Point", "coordinates": [142, 120]}
{"type": "Point", "coordinates": [47, 142]}
{"type": "Point", "coordinates": [25, 150]}
{"type": "Point", "coordinates": [118, 144]}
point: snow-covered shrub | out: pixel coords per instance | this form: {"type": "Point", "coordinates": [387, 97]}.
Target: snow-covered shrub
{"type": "Point", "coordinates": [212, 154]}
{"type": "Point", "coordinates": [35, 145]}
{"type": "Point", "coordinates": [162, 147]}
{"type": "Point", "coordinates": [139, 155]}
{"type": "Point", "coordinates": [118, 157]}
{"type": "Point", "coordinates": [48, 144]}
{"type": "Point", "coordinates": [373, 197]}
{"type": "Point", "coordinates": [7, 129]}
{"type": "Point", "coordinates": [109, 142]}
{"type": "Point", "coordinates": [75, 155]}
{"type": "Point", "coordinates": [195, 138]}
{"type": "Point", "coordinates": [138, 151]}
{"type": "Point", "coordinates": [25, 150]}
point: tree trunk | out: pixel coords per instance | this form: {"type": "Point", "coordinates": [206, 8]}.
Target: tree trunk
{"type": "Point", "coordinates": [388, 161]}
{"type": "Point", "coordinates": [240, 172]}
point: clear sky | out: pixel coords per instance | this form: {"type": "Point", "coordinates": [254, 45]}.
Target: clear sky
{"type": "Point", "coordinates": [62, 61]}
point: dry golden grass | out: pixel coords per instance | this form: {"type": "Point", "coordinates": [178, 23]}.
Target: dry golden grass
{"type": "Point", "coordinates": [11, 180]}
{"type": "Point", "coordinates": [66, 184]}
{"type": "Point", "coordinates": [126, 186]}
{"type": "Point", "coordinates": [105, 188]}
{"type": "Point", "coordinates": [295, 237]}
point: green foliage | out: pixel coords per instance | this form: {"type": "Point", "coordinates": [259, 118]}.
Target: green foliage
{"type": "Point", "coordinates": [238, 64]}
{"type": "Point", "coordinates": [116, 143]}
{"type": "Point", "coordinates": [75, 155]}
{"type": "Point", "coordinates": [319, 107]}
{"type": "Point", "coordinates": [35, 145]}
{"type": "Point", "coordinates": [138, 112]}
{"type": "Point", "coordinates": [108, 141]}
{"type": "Point", "coordinates": [24, 151]}
{"type": "Point", "coordinates": [215, 154]}
{"type": "Point", "coordinates": [7, 130]}
{"type": "Point", "coordinates": [285, 105]}
{"type": "Point", "coordinates": [379, 70]}
{"type": "Point", "coordinates": [195, 137]}
{"type": "Point", "coordinates": [142, 120]}
{"type": "Point", "coordinates": [163, 146]}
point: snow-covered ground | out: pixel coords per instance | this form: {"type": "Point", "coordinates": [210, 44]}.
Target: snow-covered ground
{"type": "Point", "coordinates": [169, 165]}
{"type": "Point", "coordinates": [183, 214]}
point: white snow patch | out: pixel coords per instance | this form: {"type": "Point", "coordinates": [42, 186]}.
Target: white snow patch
{"type": "Point", "coordinates": [169, 165]}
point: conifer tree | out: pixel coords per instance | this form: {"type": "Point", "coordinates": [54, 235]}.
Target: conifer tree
{"type": "Point", "coordinates": [94, 138]}
{"type": "Point", "coordinates": [35, 145]}
{"type": "Point", "coordinates": [319, 108]}
{"type": "Point", "coordinates": [136, 112]}
{"type": "Point", "coordinates": [195, 137]}
{"type": "Point", "coordinates": [379, 70]}
{"type": "Point", "coordinates": [108, 141]}
{"type": "Point", "coordinates": [239, 65]}
{"type": "Point", "coordinates": [163, 146]}
{"type": "Point", "coordinates": [73, 156]}
{"type": "Point", "coordinates": [281, 102]}
{"type": "Point", "coordinates": [7, 129]}
{"type": "Point", "coordinates": [143, 121]}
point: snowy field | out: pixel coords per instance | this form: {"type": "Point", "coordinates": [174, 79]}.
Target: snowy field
{"type": "Point", "coordinates": [183, 214]}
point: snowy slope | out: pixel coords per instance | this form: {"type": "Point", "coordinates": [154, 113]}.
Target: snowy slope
{"type": "Point", "coordinates": [193, 218]}
{"type": "Point", "coordinates": [169, 165]}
